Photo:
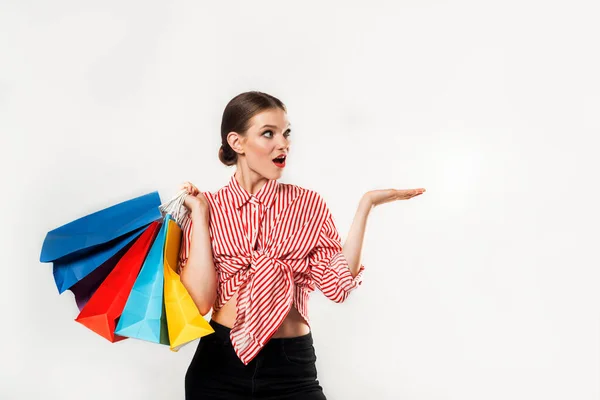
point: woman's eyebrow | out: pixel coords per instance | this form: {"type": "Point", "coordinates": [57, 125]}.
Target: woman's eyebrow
{"type": "Point", "coordinates": [273, 126]}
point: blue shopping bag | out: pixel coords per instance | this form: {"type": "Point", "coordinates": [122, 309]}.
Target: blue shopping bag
{"type": "Point", "coordinates": [70, 270]}
{"type": "Point", "coordinates": [144, 314]}
{"type": "Point", "coordinates": [84, 235]}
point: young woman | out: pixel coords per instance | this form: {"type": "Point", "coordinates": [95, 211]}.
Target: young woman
{"type": "Point", "coordinates": [257, 248]}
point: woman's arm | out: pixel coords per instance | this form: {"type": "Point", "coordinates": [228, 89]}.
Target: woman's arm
{"type": "Point", "coordinates": [199, 275]}
{"type": "Point", "coordinates": [352, 248]}
{"type": "Point", "coordinates": [354, 241]}
{"type": "Point", "coordinates": [335, 269]}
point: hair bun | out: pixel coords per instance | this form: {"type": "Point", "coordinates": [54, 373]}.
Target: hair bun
{"type": "Point", "coordinates": [227, 155]}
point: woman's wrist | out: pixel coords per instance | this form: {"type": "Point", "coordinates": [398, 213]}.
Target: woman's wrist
{"type": "Point", "coordinates": [365, 203]}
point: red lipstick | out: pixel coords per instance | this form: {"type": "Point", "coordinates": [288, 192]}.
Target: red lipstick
{"type": "Point", "coordinates": [280, 161]}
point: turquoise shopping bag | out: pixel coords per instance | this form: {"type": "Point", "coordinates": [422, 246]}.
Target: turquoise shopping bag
{"type": "Point", "coordinates": [144, 314]}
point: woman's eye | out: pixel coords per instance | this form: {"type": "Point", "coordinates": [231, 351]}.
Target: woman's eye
{"type": "Point", "coordinates": [286, 134]}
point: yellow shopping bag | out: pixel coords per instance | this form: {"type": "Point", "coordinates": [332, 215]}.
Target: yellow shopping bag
{"type": "Point", "coordinates": [184, 321]}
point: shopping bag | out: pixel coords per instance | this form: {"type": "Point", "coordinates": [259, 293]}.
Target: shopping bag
{"type": "Point", "coordinates": [84, 234]}
{"type": "Point", "coordinates": [73, 268]}
{"type": "Point", "coordinates": [184, 321]}
{"type": "Point", "coordinates": [143, 316]}
{"type": "Point", "coordinates": [86, 287]}
{"type": "Point", "coordinates": [105, 306]}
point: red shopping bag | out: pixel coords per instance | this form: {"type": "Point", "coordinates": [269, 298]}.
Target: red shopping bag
{"type": "Point", "coordinates": [85, 288]}
{"type": "Point", "coordinates": [105, 306]}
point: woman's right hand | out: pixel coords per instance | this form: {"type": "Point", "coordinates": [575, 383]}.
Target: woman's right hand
{"type": "Point", "coordinates": [195, 200]}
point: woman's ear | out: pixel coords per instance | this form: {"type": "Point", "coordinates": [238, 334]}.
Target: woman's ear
{"type": "Point", "coordinates": [236, 141]}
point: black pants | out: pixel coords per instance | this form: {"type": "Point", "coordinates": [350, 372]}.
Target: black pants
{"type": "Point", "coordinates": [283, 370]}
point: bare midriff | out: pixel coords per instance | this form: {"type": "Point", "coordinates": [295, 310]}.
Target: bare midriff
{"type": "Point", "coordinates": [292, 326]}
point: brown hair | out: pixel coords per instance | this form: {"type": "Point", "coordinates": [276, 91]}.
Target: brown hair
{"type": "Point", "coordinates": [237, 115]}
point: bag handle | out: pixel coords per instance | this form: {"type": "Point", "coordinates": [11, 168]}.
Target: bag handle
{"type": "Point", "coordinates": [175, 207]}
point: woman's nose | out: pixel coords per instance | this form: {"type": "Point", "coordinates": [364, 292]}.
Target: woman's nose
{"type": "Point", "coordinates": [283, 143]}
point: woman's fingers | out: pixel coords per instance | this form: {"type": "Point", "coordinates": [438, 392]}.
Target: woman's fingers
{"type": "Point", "coordinates": [407, 194]}
{"type": "Point", "coordinates": [417, 192]}
{"type": "Point", "coordinates": [191, 189]}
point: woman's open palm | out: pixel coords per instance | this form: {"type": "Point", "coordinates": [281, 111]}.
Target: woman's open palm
{"type": "Point", "coordinates": [381, 196]}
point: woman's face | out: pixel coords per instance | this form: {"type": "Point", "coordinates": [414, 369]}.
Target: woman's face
{"type": "Point", "coordinates": [266, 138]}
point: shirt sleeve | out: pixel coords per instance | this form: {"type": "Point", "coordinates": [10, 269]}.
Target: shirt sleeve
{"type": "Point", "coordinates": [328, 265]}
{"type": "Point", "coordinates": [184, 250]}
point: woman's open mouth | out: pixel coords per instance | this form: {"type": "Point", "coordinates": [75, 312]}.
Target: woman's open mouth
{"type": "Point", "coordinates": [279, 161]}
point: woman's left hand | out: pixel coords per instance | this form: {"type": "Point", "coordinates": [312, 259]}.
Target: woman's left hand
{"type": "Point", "coordinates": [381, 196]}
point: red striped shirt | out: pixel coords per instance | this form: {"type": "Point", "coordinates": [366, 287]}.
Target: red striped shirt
{"type": "Point", "coordinates": [273, 248]}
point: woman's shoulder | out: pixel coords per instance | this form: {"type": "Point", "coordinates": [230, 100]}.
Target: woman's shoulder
{"type": "Point", "coordinates": [302, 192]}
{"type": "Point", "coordinates": [212, 196]}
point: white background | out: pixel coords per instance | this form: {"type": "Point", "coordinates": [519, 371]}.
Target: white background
{"type": "Point", "coordinates": [485, 287]}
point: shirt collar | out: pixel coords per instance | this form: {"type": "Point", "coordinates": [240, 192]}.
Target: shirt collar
{"type": "Point", "coordinates": [266, 195]}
